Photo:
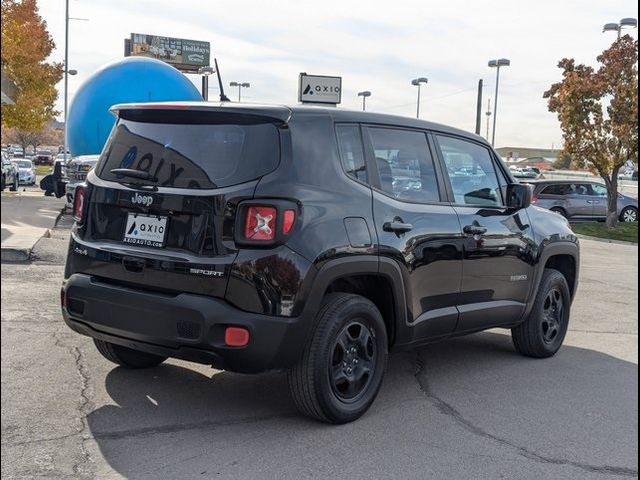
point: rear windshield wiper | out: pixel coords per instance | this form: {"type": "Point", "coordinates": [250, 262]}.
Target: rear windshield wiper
{"type": "Point", "coordinates": [137, 174]}
{"type": "Point", "coordinates": [132, 173]}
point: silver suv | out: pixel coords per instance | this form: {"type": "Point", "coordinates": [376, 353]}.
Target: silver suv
{"type": "Point", "coordinates": [76, 172]}
{"type": "Point", "coordinates": [581, 200]}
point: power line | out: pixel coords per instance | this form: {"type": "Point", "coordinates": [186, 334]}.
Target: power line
{"type": "Point", "coordinates": [428, 99]}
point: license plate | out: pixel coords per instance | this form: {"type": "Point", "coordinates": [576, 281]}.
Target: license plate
{"type": "Point", "coordinates": [146, 230]}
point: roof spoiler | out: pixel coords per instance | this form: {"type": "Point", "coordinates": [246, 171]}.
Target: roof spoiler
{"type": "Point", "coordinates": [277, 112]}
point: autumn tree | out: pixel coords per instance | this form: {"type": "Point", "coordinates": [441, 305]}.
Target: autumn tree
{"type": "Point", "coordinates": [26, 45]}
{"type": "Point", "coordinates": [598, 114]}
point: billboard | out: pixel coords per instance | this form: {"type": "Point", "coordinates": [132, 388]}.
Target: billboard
{"type": "Point", "coordinates": [185, 55]}
{"type": "Point", "coordinates": [319, 89]}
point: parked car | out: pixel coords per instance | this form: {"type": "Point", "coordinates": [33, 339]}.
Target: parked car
{"type": "Point", "coordinates": [9, 174]}
{"type": "Point", "coordinates": [581, 200]}
{"type": "Point", "coordinates": [26, 172]}
{"type": "Point", "coordinates": [43, 157]}
{"type": "Point", "coordinates": [526, 172]}
{"type": "Point", "coordinates": [272, 237]}
{"type": "Point", "coordinates": [76, 173]}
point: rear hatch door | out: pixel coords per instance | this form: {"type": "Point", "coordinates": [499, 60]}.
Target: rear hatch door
{"type": "Point", "coordinates": [173, 231]}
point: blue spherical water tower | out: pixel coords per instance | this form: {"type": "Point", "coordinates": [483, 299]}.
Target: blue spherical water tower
{"type": "Point", "coordinates": [133, 79]}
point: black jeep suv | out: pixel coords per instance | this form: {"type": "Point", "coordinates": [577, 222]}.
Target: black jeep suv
{"type": "Point", "coordinates": [252, 238]}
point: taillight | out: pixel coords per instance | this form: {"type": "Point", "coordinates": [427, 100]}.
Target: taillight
{"type": "Point", "coordinates": [260, 223]}
{"type": "Point", "coordinates": [534, 199]}
{"type": "Point", "coordinates": [289, 219]}
{"type": "Point", "coordinates": [78, 203]}
{"type": "Point", "coordinates": [266, 223]}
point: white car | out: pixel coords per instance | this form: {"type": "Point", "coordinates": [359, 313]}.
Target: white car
{"type": "Point", "coordinates": [26, 171]}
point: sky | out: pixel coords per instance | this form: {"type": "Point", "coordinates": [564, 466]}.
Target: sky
{"type": "Point", "coordinates": [372, 45]}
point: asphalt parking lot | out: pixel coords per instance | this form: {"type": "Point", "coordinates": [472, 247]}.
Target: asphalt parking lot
{"type": "Point", "coordinates": [464, 408]}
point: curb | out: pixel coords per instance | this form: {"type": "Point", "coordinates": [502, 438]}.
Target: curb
{"type": "Point", "coordinates": [605, 240]}
{"type": "Point", "coordinates": [20, 254]}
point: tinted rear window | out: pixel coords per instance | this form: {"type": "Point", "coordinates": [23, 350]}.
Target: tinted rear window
{"type": "Point", "coordinates": [217, 153]}
{"type": "Point", "coordinates": [556, 189]}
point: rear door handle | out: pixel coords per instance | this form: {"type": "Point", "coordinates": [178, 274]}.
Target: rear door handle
{"type": "Point", "coordinates": [474, 229]}
{"type": "Point", "coordinates": [397, 227]}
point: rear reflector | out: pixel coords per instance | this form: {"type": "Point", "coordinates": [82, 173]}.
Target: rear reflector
{"type": "Point", "coordinates": [236, 336]}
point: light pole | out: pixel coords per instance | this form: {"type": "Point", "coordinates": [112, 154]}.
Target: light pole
{"type": "Point", "coordinates": [417, 82]}
{"type": "Point", "coordinates": [205, 72]}
{"type": "Point", "coordinates": [502, 62]}
{"type": "Point", "coordinates": [240, 86]}
{"type": "Point", "coordinates": [618, 27]}
{"type": "Point", "coordinates": [67, 72]}
{"type": "Point", "coordinates": [364, 96]}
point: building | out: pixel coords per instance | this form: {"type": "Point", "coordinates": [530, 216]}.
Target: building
{"type": "Point", "coordinates": [542, 158]}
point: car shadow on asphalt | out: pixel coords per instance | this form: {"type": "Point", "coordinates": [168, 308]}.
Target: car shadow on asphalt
{"type": "Point", "coordinates": [478, 384]}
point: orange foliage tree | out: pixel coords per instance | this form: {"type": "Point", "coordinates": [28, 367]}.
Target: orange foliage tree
{"type": "Point", "coordinates": [598, 114]}
{"type": "Point", "coordinates": [26, 45]}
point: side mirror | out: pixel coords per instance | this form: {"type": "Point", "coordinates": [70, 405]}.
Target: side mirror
{"type": "Point", "coordinates": [519, 195]}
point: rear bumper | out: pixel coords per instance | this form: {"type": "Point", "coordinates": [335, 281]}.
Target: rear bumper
{"type": "Point", "coordinates": [186, 326]}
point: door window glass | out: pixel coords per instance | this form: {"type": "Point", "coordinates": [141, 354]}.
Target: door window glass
{"type": "Point", "coordinates": [351, 152]}
{"type": "Point", "coordinates": [599, 190]}
{"type": "Point", "coordinates": [471, 171]}
{"type": "Point", "coordinates": [579, 189]}
{"type": "Point", "coordinates": [405, 165]}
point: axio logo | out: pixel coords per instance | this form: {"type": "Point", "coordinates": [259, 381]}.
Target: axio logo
{"type": "Point", "coordinates": [308, 91]}
{"type": "Point", "coordinates": [145, 200]}
{"type": "Point", "coordinates": [132, 230]}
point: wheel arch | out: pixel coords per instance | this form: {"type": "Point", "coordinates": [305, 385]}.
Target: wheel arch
{"type": "Point", "coordinates": [377, 279]}
{"type": "Point", "coordinates": [563, 256]}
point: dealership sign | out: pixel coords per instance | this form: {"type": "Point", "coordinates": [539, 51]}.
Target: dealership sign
{"type": "Point", "coordinates": [319, 89]}
{"type": "Point", "coordinates": [185, 55]}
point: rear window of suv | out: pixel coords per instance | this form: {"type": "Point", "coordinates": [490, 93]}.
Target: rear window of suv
{"type": "Point", "coordinates": [198, 151]}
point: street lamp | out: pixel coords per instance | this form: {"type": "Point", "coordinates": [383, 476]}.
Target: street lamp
{"type": "Point", "coordinates": [205, 72]}
{"type": "Point", "coordinates": [240, 86]}
{"type": "Point", "coordinates": [618, 27]}
{"type": "Point", "coordinates": [502, 62]}
{"type": "Point", "coordinates": [417, 82]}
{"type": "Point", "coordinates": [364, 96]}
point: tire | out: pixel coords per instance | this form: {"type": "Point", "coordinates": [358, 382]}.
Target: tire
{"type": "Point", "coordinates": [542, 333]}
{"type": "Point", "coordinates": [126, 357]}
{"type": "Point", "coordinates": [312, 382]}
{"type": "Point", "coordinates": [560, 211]}
{"type": "Point", "coordinates": [629, 214]}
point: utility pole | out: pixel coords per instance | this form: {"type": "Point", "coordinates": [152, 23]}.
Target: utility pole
{"type": "Point", "coordinates": [488, 114]}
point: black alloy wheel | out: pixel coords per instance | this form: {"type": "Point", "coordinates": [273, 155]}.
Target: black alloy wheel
{"type": "Point", "coordinates": [352, 361]}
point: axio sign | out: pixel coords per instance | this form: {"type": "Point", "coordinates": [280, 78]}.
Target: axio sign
{"type": "Point", "coordinates": [319, 89]}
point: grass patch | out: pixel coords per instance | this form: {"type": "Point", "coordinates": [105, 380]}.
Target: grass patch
{"type": "Point", "coordinates": [627, 232]}
{"type": "Point", "coordinates": [43, 169]}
